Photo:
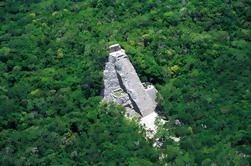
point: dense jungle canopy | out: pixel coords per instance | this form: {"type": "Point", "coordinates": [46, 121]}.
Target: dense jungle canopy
{"type": "Point", "coordinates": [196, 53]}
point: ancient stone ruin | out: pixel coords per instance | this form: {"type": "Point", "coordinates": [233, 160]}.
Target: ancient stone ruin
{"type": "Point", "coordinates": [123, 86]}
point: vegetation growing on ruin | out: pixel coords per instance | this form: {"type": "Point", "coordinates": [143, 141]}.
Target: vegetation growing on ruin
{"type": "Point", "coordinates": [52, 54]}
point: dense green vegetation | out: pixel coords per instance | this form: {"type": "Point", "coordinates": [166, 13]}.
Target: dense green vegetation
{"type": "Point", "coordinates": [52, 54]}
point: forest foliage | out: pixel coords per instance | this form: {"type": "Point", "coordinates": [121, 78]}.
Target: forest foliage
{"type": "Point", "coordinates": [52, 55]}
